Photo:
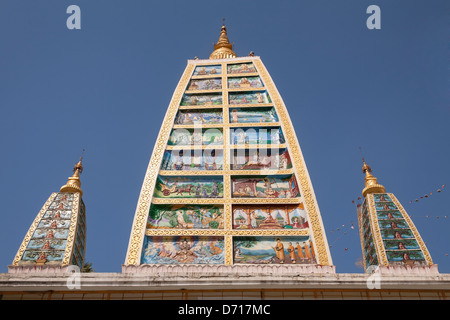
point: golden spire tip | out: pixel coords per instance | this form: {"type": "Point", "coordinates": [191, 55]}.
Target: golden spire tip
{"type": "Point", "coordinates": [370, 182]}
{"type": "Point", "coordinates": [73, 183]}
{"type": "Point", "coordinates": [223, 49]}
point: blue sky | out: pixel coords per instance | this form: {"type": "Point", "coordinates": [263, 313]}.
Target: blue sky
{"type": "Point", "coordinates": [106, 87]}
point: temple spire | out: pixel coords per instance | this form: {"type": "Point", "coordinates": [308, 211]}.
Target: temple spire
{"type": "Point", "coordinates": [48, 244]}
{"type": "Point", "coordinates": [370, 182]}
{"type": "Point", "coordinates": [387, 232]}
{"type": "Point", "coordinates": [74, 184]}
{"type": "Point", "coordinates": [223, 49]}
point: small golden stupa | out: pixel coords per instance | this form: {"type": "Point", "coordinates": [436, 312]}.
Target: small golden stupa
{"type": "Point", "coordinates": [223, 49]}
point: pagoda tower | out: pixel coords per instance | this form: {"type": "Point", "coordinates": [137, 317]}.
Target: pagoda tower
{"type": "Point", "coordinates": [390, 241]}
{"type": "Point", "coordinates": [57, 237]}
{"type": "Point", "coordinates": [227, 185]}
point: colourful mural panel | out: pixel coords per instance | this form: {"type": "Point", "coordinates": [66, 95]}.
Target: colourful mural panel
{"type": "Point", "coordinates": [189, 187]}
{"type": "Point", "coordinates": [201, 99]}
{"type": "Point", "coordinates": [393, 224]}
{"type": "Point", "coordinates": [205, 84]}
{"type": "Point", "coordinates": [389, 215]}
{"type": "Point", "coordinates": [396, 234]}
{"type": "Point", "coordinates": [270, 217]}
{"type": "Point", "coordinates": [381, 197]}
{"type": "Point", "coordinates": [241, 68]}
{"type": "Point", "coordinates": [244, 82]}
{"type": "Point", "coordinates": [185, 217]}
{"type": "Point", "coordinates": [183, 250]}
{"type": "Point", "coordinates": [401, 244]}
{"type": "Point", "coordinates": [192, 160]}
{"type": "Point", "coordinates": [406, 257]}
{"type": "Point", "coordinates": [273, 250]}
{"type": "Point", "coordinates": [245, 136]}
{"type": "Point", "coordinates": [197, 136]}
{"type": "Point", "coordinates": [42, 257]}
{"type": "Point", "coordinates": [260, 159]}
{"type": "Point", "coordinates": [253, 115]}
{"type": "Point", "coordinates": [385, 206]}
{"type": "Point", "coordinates": [265, 187]}
{"type": "Point", "coordinates": [207, 70]}
{"type": "Point", "coordinates": [248, 97]}
{"type": "Point", "coordinates": [210, 116]}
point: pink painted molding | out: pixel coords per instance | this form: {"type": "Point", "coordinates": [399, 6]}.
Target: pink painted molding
{"type": "Point", "coordinates": [254, 270]}
{"type": "Point", "coordinates": [408, 270]}
{"type": "Point", "coordinates": [39, 269]}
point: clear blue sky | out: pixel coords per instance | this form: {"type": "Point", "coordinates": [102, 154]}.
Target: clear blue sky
{"type": "Point", "coordinates": [105, 88]}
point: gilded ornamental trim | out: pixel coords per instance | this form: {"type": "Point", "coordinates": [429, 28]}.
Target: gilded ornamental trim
{"type": "Point", "coordinates": [376, 233]}
{"type": "Point", "coordinates": [225, 232]}
{"type": "Point", "coordinates": [226, 200]}
{"type": "Point", "coordinates": [72, 229]}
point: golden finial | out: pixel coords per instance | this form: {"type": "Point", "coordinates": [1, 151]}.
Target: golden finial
{"type": "Point", "coordinates": [366, 167]}
{"type": "Point", "coordinates": [223, 49]}
{"type": "Point", "coordinates": [74, 184]}
{"type": "Point", "coordinates": [370, 182]}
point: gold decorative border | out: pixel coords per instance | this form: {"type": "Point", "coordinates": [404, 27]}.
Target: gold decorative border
{"type": "Point", "coordinates": [32, 229]}
{"type": "Point", "coordinates": [225, 232]}
{"type": "Point", "coordinates": [206, 62]}
{"type": "Point", "coordinates": [191, 172]}
{"type": "Point", "coordinates": [231, 146]}
{"type": "Point", "coordinates": [194, 147]}
{"type": "Point", "coordinates": [227, 200]}
{"type": "Point", "coordinates": [225, 172]}
{"type": "Point", "coordinates": [206, 76]}
{"type": "Point", "coordinates": [224, 89]}
{"type": "Point", "coordinates": [72, 229]}
{"type": "Point", "coordinates": [143, 206]}
{"type": "Point", "coordinates": [228, 216]}
{"type": "Point", "coordinates": [360, 214]}
{"type": "Point", "coordinates": [248, 105]}
{"type": "Point", "coordinates": [413, 228]}
{"type": "Point", "coordinates": [82, 215]}
{"type": "Point", "coordinates": [258, 146]}
{"type": "Point", "coordinates": [195, 126]}
{"type": "Point", "coordinates": [238, 75]}
{"type": "Point", "coordinates": [200, 107]}
{"type": "Point", "coordinates": [254, 124]}
{"type": "Point", "coordinates": [227, 106]}
{"type": "Point", "coordinates": [203, 91]}
{"type": "Point", "coordinates": [318, 232]}
{"type": "Point", "coordinates": [229, 125]}
{"type": "Point", "coordinates": [376, 233]}
{"type": "Point", "coordinates": [228, 247]}
{"type": "Point", "coordinates": [245, 89]}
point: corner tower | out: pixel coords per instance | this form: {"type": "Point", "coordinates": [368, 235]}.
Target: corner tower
{"type": "Point", "coordinates": [57, 236]}
{"type": "Point", "coordinates": [389, 239]}
{"type": "Point", "coordinates": [227, 184]}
